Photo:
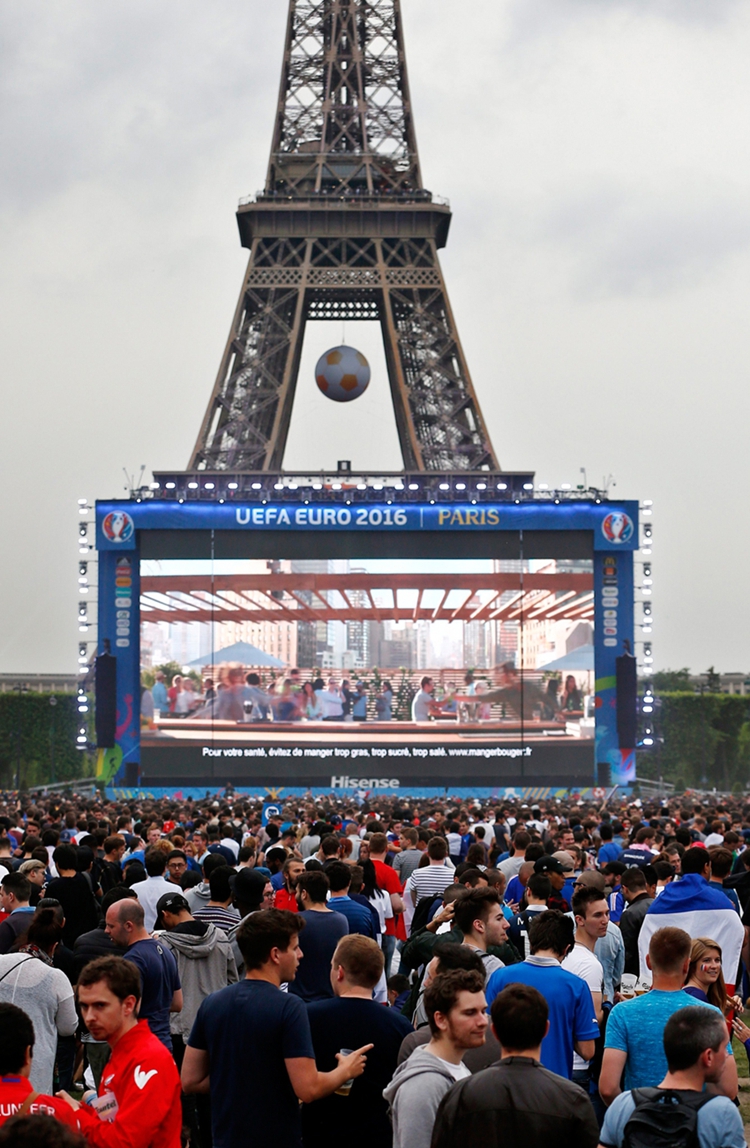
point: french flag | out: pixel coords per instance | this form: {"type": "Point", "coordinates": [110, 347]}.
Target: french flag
{"type": "Point", "coordinates": [701, 910]}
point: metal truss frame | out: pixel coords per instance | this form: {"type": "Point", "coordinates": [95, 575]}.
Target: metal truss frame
{"type": "Point", "coordinates": [344, 114]}
{"type": "Point", "coordinates": [344, 230]}
{"type": "Point", "coordinates": [353, 597]}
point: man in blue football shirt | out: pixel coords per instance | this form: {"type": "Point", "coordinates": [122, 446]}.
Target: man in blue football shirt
{"type": "Point", "coordinates": [572, 1017]}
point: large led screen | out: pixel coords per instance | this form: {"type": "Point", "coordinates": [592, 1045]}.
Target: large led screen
{"type": "Point", "coordinates": [369, 673]}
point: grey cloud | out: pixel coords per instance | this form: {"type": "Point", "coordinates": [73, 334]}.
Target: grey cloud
{"type": "Point", "coordinates": [114, 92]}
{"type": "Point", "coordinates": [549, 18]}
{"type": "Point", "coordinates": [640, 245]}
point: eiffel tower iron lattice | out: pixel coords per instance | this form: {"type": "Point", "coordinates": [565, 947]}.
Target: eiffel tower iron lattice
{"type": "Point", "coordinates": [344, 229]}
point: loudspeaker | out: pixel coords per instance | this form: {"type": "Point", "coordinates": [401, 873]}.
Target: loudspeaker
{"type": "Point", "coordinates": [132, 771]}
{"type": "Point", "coordinates": [627, 701]}
{"type": "Point", "coordinates": [602, 774]}
{"type": "Point", "coordinates": [105, 693]}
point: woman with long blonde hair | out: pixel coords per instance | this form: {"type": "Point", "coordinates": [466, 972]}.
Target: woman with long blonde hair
{"type": "Point", "coordinates": [705, 981]}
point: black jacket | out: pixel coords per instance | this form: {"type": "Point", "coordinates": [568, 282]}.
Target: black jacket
{"type": "Point", "coordinates": [110, 874]}
{"type": "Point", "coordinates": [79, 904]}
{"type": "Point", "coordinates": [516, 1101]}
{"type": "Point", "coordinates": [740, 882]}
{"type": "Point", "coordinates": [91, 945]}
{"type": "Point", "coordinates": [630, 927]}
{"type": "Point", "coordinates": [12, 928]}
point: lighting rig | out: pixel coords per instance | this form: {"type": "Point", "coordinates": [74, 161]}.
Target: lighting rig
{"type": "Point", "coordinates": [644, 594]}
{"type": "Point", "coordinates": [475, 487]}
{"type": "Point", "coordinates": [86, 617]}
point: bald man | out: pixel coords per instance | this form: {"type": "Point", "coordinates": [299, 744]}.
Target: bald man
{"type": "Point", "coordinates": [161, 991]}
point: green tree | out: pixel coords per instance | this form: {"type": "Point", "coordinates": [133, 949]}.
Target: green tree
{"type": "Point", "coordinates": [403, 695]}
{"type": "Point", "coordinates": [34, 734]}
{"type": "Point", "coordinates": [169, 669]}
{"type": "Point", "coordinates": [706, 739]}
{"type": "Point", "coordinates": [670, 681]}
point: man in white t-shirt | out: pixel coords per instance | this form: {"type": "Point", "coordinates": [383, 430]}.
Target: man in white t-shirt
{"type": "Point", "coordinates": [423, 705]}
{"type": "Point", "coordinates": [591, 913]}
{"type": "Point", "coordinates": [457, 1015]}
{"type": "Point", "coordinates": [331, 702]}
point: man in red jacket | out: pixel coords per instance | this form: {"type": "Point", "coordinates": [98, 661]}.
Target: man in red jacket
{"type": "Point", "coordinates": [138, 1105]}
{"type": "Point", "coordinates": [17, 1097]}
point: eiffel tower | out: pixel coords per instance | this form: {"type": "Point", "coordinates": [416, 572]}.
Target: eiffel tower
{"type": "Point", "coordinates": [344, 229]}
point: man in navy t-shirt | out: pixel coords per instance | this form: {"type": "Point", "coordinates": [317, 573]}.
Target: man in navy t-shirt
{"type": "Point", "coordinates": [161, 991]}
{"type": "Point", "coordinates": [360, 918]}
{"type": "Point", "coordinates": [572, 1017]}
{"type": "Point", "coordinates": [353, 1016]}
{"type": "Point", "coordinates": [252, 1043]}
{"type": "Point", "coordinates": [324, 928]}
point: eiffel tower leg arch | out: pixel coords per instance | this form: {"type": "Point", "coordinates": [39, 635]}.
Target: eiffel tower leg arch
{"type": "Point", "coordinates": [399, 282]}
{"type": "Point", "coordinates": [247, 419]}
{"type": "Point", "coordinates": [437, 413]}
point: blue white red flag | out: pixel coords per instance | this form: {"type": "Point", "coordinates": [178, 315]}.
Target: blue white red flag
{"type": "Point", "coordinates": [701, 910]}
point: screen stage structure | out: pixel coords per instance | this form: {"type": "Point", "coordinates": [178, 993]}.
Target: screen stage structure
{"type": "Point", "coordinates": [345, 228]}
{"type": "Point", "coordinates": [520, 747]}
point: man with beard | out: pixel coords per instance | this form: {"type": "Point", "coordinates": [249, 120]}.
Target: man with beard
{"type": "Point", "coordinates": [456, 1012]}
{"type": "Point", "coordinates": [285, 896]}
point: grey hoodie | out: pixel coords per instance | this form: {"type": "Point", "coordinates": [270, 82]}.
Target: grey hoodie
{"type": "Point", "coordinates": [414, 1095]}
{"type": "Point", "coordinates": [205, 964]}
{"type": "Point", "coordinates": [198, 897]}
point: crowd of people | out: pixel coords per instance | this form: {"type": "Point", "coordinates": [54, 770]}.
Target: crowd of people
{"type": "Point", "coordinates": [239, 696]}
{"type": "Point", "coordinates": [242, 697]}
{"type": "Point", "coordinates": [413, 972]}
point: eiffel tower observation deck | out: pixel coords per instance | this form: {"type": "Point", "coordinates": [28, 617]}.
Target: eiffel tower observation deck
{"type": "Point", "coordinates": [344, 229]}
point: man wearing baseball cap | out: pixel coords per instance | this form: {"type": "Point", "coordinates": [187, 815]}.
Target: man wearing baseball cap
{"type": "Point", "coordinates": [570, 867]}
{"type": "Point", "coordinates": [204, 959]}
{"type": "Point", "coordinates": [552, 868]}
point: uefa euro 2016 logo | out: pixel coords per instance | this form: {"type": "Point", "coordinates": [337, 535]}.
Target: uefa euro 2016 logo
{"type": "Point", "coordinates": [618, 527]}
{"type": "Point", "coordinates": [118, 526]}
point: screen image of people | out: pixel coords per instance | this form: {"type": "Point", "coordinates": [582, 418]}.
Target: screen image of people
{"type": "Point", "coordinates": [432, 645]}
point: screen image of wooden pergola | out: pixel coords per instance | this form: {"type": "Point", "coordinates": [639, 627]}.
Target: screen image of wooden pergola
{"type": "Point", "coordinates": [302, 597]}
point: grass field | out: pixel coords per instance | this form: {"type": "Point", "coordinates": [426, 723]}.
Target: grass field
{"type": "Point", "coordinates": [743, 1071]}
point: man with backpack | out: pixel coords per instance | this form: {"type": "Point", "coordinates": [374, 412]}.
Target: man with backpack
{"type": "Point", "coordinates": [679, 1112]}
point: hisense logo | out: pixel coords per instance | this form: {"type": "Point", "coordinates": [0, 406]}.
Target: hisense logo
{"type": "Point", "coordinates": [346, 782]}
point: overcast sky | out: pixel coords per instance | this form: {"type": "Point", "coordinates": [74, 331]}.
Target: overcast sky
{"type": "Point", "coordinates": [597, 159]}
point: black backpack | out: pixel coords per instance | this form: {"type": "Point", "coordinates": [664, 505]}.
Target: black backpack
{"type": "Point", "coordinates": [422, 913]}
{"type": "Point", "coordinates": [664, 1118]}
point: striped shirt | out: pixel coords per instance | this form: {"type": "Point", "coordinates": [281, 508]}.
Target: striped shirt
{"type": "Point", "coordinates": [430, 881]}
{"type": "Point", "coordinates": [224, 919]}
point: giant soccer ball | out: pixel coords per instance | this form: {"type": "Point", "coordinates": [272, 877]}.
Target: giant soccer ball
{"type": "Point", "coordinates": [342, 374]}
